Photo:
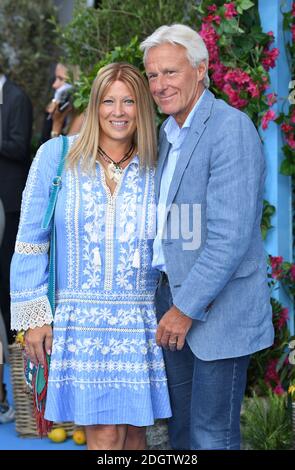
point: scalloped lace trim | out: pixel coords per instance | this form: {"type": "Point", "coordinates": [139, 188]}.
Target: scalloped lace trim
{"type": "Point", "coordinates": [29, 314]}
{"type": "Point", "coordinates": [24, 248]}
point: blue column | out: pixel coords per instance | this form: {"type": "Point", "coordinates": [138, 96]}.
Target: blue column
{"type": "Point", "coordinates": [278, 187]}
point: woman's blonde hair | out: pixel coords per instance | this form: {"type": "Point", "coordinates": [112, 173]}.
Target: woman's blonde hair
{"type": "Point", "coordinates": [87, 143]}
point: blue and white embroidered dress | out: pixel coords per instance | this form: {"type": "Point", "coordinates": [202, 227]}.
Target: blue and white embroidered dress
{"type": "Point", "coordinates": [105, 365]}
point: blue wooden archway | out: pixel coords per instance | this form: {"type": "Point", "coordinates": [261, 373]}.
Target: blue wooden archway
{"type": "Point", "coordinates": [278, 187]}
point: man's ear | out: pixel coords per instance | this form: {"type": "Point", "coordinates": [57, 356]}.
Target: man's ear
{"type": "Point", "coordinates": [201, 70]}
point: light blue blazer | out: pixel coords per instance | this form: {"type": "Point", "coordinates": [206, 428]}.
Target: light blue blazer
{"type": "Point", "coordinates": [222, 282]}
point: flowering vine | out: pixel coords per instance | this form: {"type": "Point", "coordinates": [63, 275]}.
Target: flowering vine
{"type": "Point", "coordinates": [241, 55]}
{"type": "Point", "coordinates": [271, 368]}
{"type": "Point", "coordinates": [287, 119]}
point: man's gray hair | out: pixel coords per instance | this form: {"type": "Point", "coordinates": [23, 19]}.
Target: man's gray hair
{"type": "Point", "coordinates": [184, 36]}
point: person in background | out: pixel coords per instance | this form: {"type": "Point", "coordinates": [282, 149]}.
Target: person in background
{"type": "Point", "coordinates": [213, 300]}
{"type": "Point", "coordinates": [6, 411]}
{"type": "Point", "coordinates": [15, 140]}
{"type": "Point", "coordinates": [106, 371]}
{"type": "Point", "coordinates": [60, 117]}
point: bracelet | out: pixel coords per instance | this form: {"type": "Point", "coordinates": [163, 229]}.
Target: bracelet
{"type": "Point", "coordinates": [54, 134]}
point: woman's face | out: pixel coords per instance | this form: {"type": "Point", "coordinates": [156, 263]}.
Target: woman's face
{"type": "Point", "coordinates": [60, 76]}
{"type": "Point", "coordinates": [117, 114]}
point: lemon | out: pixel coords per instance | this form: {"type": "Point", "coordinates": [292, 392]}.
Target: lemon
{"type": "Point", "coordinates": [57, 435]}
{"type": "Point", "coordinates": [20, 338]}
{"type": "Point", "coordinates": [79, 437]}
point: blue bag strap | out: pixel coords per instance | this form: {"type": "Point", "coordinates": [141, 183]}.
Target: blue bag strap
{"type": "Point", "coordinates": [49, 219]}
{"type": "Point", "coordinates": [55, 185]}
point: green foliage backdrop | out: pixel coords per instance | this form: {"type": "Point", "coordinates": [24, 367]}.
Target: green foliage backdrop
{"type": "Point", "coordinates": [27, 46]}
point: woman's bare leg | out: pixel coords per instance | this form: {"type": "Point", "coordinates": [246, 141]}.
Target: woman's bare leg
{"type": "Point", "coordinates": [106, 436]}
{"type": "Point", "coordinates": [135, 438]}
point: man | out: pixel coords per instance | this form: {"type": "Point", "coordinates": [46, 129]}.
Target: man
{"type": "Point", "coordinates": [213, 298]}
{"type": "Point", "coordinates": [15, 139]}
{"type": "Point", "coordinates": [6, 411]}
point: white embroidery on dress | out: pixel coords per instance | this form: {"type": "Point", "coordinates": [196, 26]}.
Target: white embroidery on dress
{"type": "Point", "coordinates": [26, 293]}
{"type": "Point", "coordinates": [109, 366]}
{"type": "Point", "coordinates": [28, 192]}
{"type": "Point", "coordinates": [112, 346]}
{"type": "Point", "coordinates": [146, 248]}
{"type": "Point", "coordinates": [64, 295]}
{"type": "Point", "coordinates": [24, 248]}
{"type": "Point", "coordinates": [109, 228]}
{"type": "Point", "coordinates": [31, 313]}
{"type": "Point", "coordinates": [112, 383]}
{"type": "Point", "coordinates": [131, 315]}
{"type": "Point", "coordinates": [69, 228]}
{"type": "Point", "coordinates": [128, 229]}
{"type": "Point", "coordinates": [115, 330]}
{"type": "Point", "coordinates": [76, 226]}
{"type": "Point", "coordinates": [94, 211]}
{"type": "Point", "coordinates": [142, 232]}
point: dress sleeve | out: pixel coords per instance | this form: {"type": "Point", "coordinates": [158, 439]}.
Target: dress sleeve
{"type": "Point", "coordinates": [29, 267]}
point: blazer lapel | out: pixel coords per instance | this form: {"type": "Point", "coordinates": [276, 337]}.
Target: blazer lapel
{"type": "Point", "coordinates": [196, 130]}
{"type": "Point", "coordinates": [164, 146]}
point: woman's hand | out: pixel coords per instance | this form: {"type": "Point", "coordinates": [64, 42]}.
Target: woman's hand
{"type": "Point", "coordinates": [36, 339]}
{"type": "Point", "coordinates": [58, 119]}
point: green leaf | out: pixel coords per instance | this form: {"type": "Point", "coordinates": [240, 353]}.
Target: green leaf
{"type": "Point", "coordinates": [281, 361]}
{"type": "Point", "coordinates": [287, 168]}
{"type": "Point", "coordinates": [246, 4]}
{"type": "Point", "coordinates": [288, 152]}
{"type": "Point", "coordinates": [280, 119]}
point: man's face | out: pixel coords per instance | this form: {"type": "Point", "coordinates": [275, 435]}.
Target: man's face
{"type": "Point", "coordinates": [174, 83]}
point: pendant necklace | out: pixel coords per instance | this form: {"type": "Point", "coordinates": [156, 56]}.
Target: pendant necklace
{"type": "Point", "coordinates": [114, 169]}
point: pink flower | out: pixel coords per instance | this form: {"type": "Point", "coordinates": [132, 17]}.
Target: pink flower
{"type": "Point", "coordinates": [283, 317]}
{"type": "Point", "coordinates": [236, 82]}
{"type": "Point", "coordinates": [237, 76]}
{"type": "Point", "coordinates": [210, 38]}
{"type": "Point", "coordinates": [278, 390]}
{"type": "Point", "coordinates": [267, 117]}
{"type": "Point", "coordinates": [293, 9]}
{"type": "Point", "coordinates": [271, 98]}
{"type": "Point", "coordinates": [292, 272]}
{"type": "Point", "coordinates": [292, 119]}
{"type": "Point", "coordinates": [234, 98]}
{"type": "Point", "coordinates": [286, 128]}
{"type": "Point", "coordinates": [293, 32]}
{"type": "Point", "coordinates": [212, 8]}
{"type": "Point", "coordinates": [230, 10]}
{"type": "Point", "coordinates": [270, 57]}
{"type": "Point", "coordinates": [271, 373]}
{"type": "Point", "coordinates": [265, 83]}
{"type": "Point", "coordinates": [276, 261]}
{"type": "Point", "coordinates": [212, 18]}
{"type": "Point", "coordinates": [218, 74]}
{"type": "Point", "coordinates": [276, 265]}
{"type": "Point", "coordinates": [291, 141]}
{"type": "Point", "coordinates": [271, 35]}
{"type": "Point", "coordinates": [253, 89]}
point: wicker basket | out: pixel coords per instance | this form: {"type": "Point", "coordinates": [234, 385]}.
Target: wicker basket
{"type": "Point", "coordinates": [23, 401]}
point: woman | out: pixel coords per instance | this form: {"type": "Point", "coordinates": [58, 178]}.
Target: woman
{"type": "Point", "coordinates": [60, 116]}
{"type": "Point", "coordinates": [106, 372]}
{"type": "Point", "coordinates": [6, 411]}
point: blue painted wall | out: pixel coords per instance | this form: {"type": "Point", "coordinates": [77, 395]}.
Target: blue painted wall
{"type": "Point", "coordinates": [278, 187]}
